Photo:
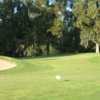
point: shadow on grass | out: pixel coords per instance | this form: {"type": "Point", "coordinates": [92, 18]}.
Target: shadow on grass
{"type": "Point", "coordinates": [49, 57]}
{"type": "Point", "coordinates": [67, 80]}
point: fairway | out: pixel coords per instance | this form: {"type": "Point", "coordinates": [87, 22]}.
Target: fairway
{"type": "Point", "coordinates": [34, 78]}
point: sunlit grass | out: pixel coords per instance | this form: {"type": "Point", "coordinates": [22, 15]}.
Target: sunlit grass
{"type": "Point", "coordinates": [34, 78]}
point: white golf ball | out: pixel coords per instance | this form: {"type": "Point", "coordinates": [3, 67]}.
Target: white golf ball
{"type": "Point", "coordinates": [58, 77]}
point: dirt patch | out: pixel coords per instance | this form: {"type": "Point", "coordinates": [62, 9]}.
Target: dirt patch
{"type": "Point", "coordinates": [4, 65]}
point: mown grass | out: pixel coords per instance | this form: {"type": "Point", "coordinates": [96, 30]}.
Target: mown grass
{"type": "Point", "coordinates": [34, 78]}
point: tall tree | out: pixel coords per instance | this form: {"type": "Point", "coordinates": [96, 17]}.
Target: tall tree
{"type": "Point", "coordinates": [88, 21]}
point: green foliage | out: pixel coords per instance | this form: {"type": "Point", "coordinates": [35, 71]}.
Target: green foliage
{"type": "Point", "coordinates": [37, 30]}
{"type": "Point", "coordinates": [87, 21]}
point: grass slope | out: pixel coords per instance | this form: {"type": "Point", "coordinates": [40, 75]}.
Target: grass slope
{"type": "Point", "coordinates": [34, 78]}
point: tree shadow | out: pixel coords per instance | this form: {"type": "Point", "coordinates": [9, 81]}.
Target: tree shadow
{"type": "Point", "coordinates": [50, 57]}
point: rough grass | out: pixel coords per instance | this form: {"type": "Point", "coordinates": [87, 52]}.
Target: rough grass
{"type": "Point", "coordinates": [34, 78]}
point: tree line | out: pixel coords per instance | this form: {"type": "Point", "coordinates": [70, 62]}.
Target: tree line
{"type": "Point", "coordinates": [39, 30]}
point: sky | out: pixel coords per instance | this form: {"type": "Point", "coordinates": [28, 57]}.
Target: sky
{"type": "Point", "coordinates": [1, 0]}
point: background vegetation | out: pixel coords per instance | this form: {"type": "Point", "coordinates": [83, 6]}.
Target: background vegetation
{"type": "Point", "coordinates": [39, 29]}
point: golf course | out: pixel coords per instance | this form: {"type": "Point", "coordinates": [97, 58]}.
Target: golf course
{"type": "Point", "coordinates": [34, 78]}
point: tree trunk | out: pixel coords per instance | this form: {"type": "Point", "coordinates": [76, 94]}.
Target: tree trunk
{"type": "Point", "coordinates": [48, 48]}
{"type": "Point", "coordinates": [97, 47]}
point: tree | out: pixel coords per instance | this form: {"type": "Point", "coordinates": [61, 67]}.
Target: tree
{"type": "Point", "coordinates": [16, 29]}
{"type": "Point", "coordinates": [88, 21]}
